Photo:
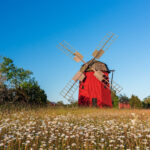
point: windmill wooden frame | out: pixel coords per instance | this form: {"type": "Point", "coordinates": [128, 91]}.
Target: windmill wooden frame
{"type": "Point", "coordinates": [72, 85]}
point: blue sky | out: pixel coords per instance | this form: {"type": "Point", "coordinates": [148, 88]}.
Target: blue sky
{"type": "Point", "coordinates": [30, 31]}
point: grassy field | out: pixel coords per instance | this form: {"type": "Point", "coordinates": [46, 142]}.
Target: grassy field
{"type": "Point", "coordinates": [74, 128]}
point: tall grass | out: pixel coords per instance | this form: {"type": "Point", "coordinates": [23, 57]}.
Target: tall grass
{"type": "Point", "coordinates": [74, 128]}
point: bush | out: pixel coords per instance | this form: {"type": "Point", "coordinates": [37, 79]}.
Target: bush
{"type": "Point", "coordinates": [146, 102]}
{"type": "Point", "coordinates": [33, 93]}
{"type": "Point", "coordinates": [115, 99]}
{"type": "Point", "coordinates": [124, 98]}
{"type": "Point", "coordinates": [135, 102]}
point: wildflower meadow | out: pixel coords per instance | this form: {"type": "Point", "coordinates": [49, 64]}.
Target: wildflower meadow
{"type": "Point", "coordinates": [74, 129]}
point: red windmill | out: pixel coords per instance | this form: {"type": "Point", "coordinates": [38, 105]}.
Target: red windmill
{"type": "Point", "coordinates": [93, 77]}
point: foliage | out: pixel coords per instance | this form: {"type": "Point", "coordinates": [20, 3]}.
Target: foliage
{"type": "Point", "coordinates": [3, 93]}
{"type": "Point", "coordinates": [14, 75]}
{"type": "Point", "coordinates": [60, 103]}
{"type": "Point", "coordinates": [74, 104]}
{"type": "Point", "coordinates": [123, 98]}
{"type": "Point", "coordinates": [20, 86]}
{"type": "Point", "coordinates": [34, 94]}
{"type": "Point", "coordinates": [115, 99]}
{"type": "Point", "coordinates": [146, 102]}
{"type": "Point", "coordinates": [135, 102]}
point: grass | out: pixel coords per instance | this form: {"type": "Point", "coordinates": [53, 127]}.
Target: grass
{"type": "Point", "coordinates": [74, 128]}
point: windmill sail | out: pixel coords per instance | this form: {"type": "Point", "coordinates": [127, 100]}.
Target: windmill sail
{"type": "Point", "coordinates": [78, 76]}
{"type": "Point", "coordinates": [104, 45]}
{"type": "Point", "coordinates": [107, 41]}
{"type": "Point", "coordinates": [70, 51]}
{"type": "Point", "coordinates": [69, 89]}
{"type": "Point", "coordinates": [116, 87]}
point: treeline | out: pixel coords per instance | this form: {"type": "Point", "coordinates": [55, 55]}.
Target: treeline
{"type": "Point", "coordinates": [17, 85]}
{"type": "Point", "coordinates": [134, 101]}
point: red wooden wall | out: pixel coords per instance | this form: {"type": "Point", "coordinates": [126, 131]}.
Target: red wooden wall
{"type": "Point", "coordinates": [91, 88]}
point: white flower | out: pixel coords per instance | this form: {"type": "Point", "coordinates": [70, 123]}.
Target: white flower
{"type": "Point", "coordinates": [133, 114]}
{"type": "Point", "coordinates": [62, 135]}
{"type": "Point", "coordinates": [73, 144]}
{"type": "Point", "coordinates": [27, 142]}
{"type": "Point", "coordinates": [73, 136]}
{"type": "Point", "coordinates": [137, 147]}
{"type": "Point", "coordinates": [148, 136]}
{"type": "Point", "coordinates": [86, 135]}
{"type": "Point", "coordinates": [122, 146]}
{"type": "Point", "coordinates": [133, 121]}
{"type": "Point", "coordinates": [102, 140]}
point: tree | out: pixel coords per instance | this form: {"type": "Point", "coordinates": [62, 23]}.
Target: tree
{"type": "Point", "coordinates": [135, 102]}
{"type": "Point", "coordinates": [115, 99]}
{"type": "Point", "coordinates": [60, 103]}
{"type": "Point", "coordinates": [3, 94]}
{"type": "Point", "coordinates": [3, 89]}
{"type": "Point", "coordinates": [73, 103]}
{"type": "Point", "coordinates": [21, 87]}
{"type": "Point", "coordinates": [34, 94]}
{"type": "Point", "coordinates": [123, 98]}
{"type": "Point", "coordinates": [14, 75]}
{"type": "Point", "coordinates": [146, 102]}
{"type": "Point", "coordinates": [2, 76]}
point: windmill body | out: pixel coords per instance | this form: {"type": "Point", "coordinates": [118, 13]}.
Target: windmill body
{"type": "Point", "coordinates": [93, 92]}
{"type": "Point", "coordinates": [93, 77]}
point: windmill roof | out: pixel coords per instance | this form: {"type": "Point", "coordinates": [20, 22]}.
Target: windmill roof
{"type": "Point", "coordinates": [98, 65]}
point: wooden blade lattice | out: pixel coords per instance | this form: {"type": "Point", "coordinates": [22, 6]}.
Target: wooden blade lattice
{"type": "Point", "coordinates": [69, 89]}
{"type": "Point", "coordinates": [107, 41]}
{"type": "Point", "coordinates": [116, 87]}
{"type": "Point", "coordinates": [66, 48]}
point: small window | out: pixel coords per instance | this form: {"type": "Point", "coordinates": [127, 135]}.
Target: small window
{"type": "Point", "coordinates": [82, 86]}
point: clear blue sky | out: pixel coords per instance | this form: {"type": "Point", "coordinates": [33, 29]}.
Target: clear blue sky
{"type": "Point", "coordinates": [31, 29]}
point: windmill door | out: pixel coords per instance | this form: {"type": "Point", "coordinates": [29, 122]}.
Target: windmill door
{"type": "Point", "coordinates": [94, 102]}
